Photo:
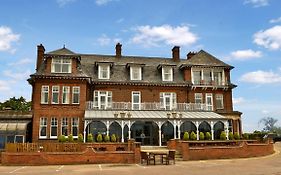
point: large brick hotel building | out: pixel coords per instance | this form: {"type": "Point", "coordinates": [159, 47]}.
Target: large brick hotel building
{"type": "Point", "coordinates": [146, 98]}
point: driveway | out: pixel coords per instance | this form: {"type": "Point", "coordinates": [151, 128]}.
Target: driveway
{"type": "Point", "coordinates": [251, 166]}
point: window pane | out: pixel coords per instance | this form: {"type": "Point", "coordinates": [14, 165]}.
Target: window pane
{"type": "Point", "coordinates": [65, 68]}
{"type": "Point", "coordinates": [197, 77]}
{"type": "Point", "coordinates": [19, 139]}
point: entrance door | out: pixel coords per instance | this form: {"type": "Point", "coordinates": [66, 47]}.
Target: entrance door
{"type": "Point", "coordinates": [145, 132]}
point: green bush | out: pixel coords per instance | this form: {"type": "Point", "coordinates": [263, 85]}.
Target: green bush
{"type": "Point", "coordinates": [201, 136]}
{"type": "Point", "coordinates": [193, 136]}
{"type": "Point", "coordinates": [99, 138]}
{"type": "Point", "coordinates": [185, 136]}
{"type": "Point", "coordinates": [245, 136]}
{"type": "Point", "coordinates": [236, 136]}
{"type": "Point", "coordinates": [90, 138]}
{"type": "Point", "coordinates": [113, 138]}
{"type": "Point", "coordinates": [106, 138]}
{"type": "Point", "coordinates": [62, 138]}
{"type": "Point", "coordinates": [70, 138]}
{"type": "Point", "coordinates": [80, 138]}
{"type": "Point", "coordinates": [223, 135]}
{"type": "Point", "coordinates": [208, 136]}
{"type": "Point", "coordinates": [230, 136]}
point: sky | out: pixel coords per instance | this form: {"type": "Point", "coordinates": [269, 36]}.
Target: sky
{"type": "Point", "coordinates": [242, 33]}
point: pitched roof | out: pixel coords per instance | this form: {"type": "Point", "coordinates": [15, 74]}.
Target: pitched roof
{"type": "Point", "coordinates": [203, 58]}
{"type": "Point", "coordinates": [62, 51]}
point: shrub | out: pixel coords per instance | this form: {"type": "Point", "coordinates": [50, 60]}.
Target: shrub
{"type": "Point", "coordinates": [80, 138]}
{"type": "Point", "coordinates": [113, 138]}
{"type": "Point", "coordinates": [201, 136]}
{"type": "Point", "coordinates": [223, 135]}
{"type": "Point", "coordinates": [208, 136]}
{"type": "Point", "coordinates": [99, 138]}
{"type": "Point", "coordinates": [230, 136]}
{"type": "Point", "coordinates": [106, 138]}
{"type": "Point", "coordinates": [185, 136]}
{"type": "Point", "coordinates": [245, 136]}
{"type": "Point", "coordinates": [236, 136]}
{"type": "Point", "coordinates": [193, 136]}
{"type": "Point", "coordinates": [90, 138]}
{"type": "Point", "coordinates": [62, 138]}
{"type": "Point", "coordinates": [70, 138]}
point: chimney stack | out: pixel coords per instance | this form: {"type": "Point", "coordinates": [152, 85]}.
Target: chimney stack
{"type": "Point", "coordinates": [40, 55]}
{"type": "Point", "coordinates": [118, 50]}
{"type": "Point", "coordinates": [190, 54]}
{"type": "Point", "coordinates": [176, 53]}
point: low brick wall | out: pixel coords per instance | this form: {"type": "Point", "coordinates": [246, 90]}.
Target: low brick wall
{"type": "Point", "coordinates": [91, 153]}
{"type": "Point", "coordinates": [238, 149]}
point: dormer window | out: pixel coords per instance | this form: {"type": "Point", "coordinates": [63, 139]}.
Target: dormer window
{"type": "Point", "coordinates": [61, 65]}
{"type": "Point", "coordinates": [167, 73]}
{"type": "Point", "coordinates": [135, 73]}
{"type": "Point", "coordinates": [104, 71]}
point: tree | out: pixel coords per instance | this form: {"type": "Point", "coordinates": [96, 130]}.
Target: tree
{"type": "Point", "coordinates": [16, 104]}
{"type": "Point", "coordinates": [268, 123]}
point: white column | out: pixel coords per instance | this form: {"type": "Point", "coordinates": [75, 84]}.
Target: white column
{"type": "Point", "coordinates": [129, 129]}
{"type": "Point", "coordinates": [160, 137]}
{"type": "Point", "coordinates": [197, 130]}
{"type": "Point", "coordinates": [107, 127]}
{"type": "Point", "coordinates": [175, 130]}
{"type": "Point", "coordinates": [179, 131]}
{"type": "Point", "coordinates": [212, 130]}
{"type": "Point", "coordinates": [84, 132]}
{"type": "Point", "coordinates": [226, 129]}
{"type": "Point", "coordinates": [122, 131]}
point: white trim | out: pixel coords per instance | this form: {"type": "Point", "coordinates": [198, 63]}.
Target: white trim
{"type": "Point", "coordinates": [138, 69]}
{"type": "Point", "coordinates": [43, 94]}
{"type": "Point", "coordinates": [172, 98]}
{"type": "Point", "coordinates": [169, 72]}
{"type": "Point", "coordinates": [75, 126]}
{"type": "Point", "coordinates": [107, 67]}
{"type": "Point", "coordinates": [43, 125]}
{"type": "Point", "coordinates": [58, 92]}
{"type": "Point", "coordinates": [51, 125]}
{"type": "Point", "coordinates": [136, 93]}
{"type": "Point", "coordinates": [65, 90]}
{"type": "Point", "coordinates": [23, 138]}
{"type": "Point", "coordinates": [74, 87]}
{"type": "Point", "coordinates": [61, 62]}
{"type": "Point", "coordinates": [209, 95]}
{"type": "Point", "coordinates": [220, 96]}
{"type": "Point", "coordinates": [98, 102]}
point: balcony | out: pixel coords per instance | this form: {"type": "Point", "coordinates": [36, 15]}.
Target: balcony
{"type": "Point", "coordinates": [127, 106]}
{"type": "Point", "coordinates": [209, 83]}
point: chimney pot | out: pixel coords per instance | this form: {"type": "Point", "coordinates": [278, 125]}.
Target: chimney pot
{"type": "Point", "coordinates": [176, 53]}
{"type": "Point", "coordinates": [118, 50]}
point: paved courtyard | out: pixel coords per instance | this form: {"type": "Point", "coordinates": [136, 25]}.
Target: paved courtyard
{"type": "Point", "coordinates": [269, 165]}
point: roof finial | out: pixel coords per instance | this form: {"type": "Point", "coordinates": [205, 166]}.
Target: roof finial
{"type": "Point", "coordinates": [64, 46]}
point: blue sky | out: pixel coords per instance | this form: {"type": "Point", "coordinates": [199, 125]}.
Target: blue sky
{"type": "Point", "coordinates": [243, 33]}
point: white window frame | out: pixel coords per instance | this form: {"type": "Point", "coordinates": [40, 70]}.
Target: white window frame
{"type": "Point", "coordinates": [64, 123]}
{"type": "Point", "coordinates": [173, 100]}
{"type": "Point", "coordinates": [22, 136]}
{"type": "Point", "coordinates": [210, 107]}
{"type": "Point", "coordinates": [97, 99]}
{"type": "Point", "coordinates": [43, 124]}
{"type": "Point", "coordinates": [219, 98]}
{"type": "Point", "coordinates": [75, 91]}
{"type": "Point", "coordinates": [107, 69]}
{"type": "Point", "coordinates": [76, 125]}
{"type": "Point", "coordinates": [167, 71]}
{"type": "Point", "coordinates": [136, 94]}
{"type": "Point", "coordinates": [58, 92]}
{"type": "Point", "coordinates": [54, 123]}
{"type": "Point", "coordinates": [44, 91]}
{"type": "Point", "coordinates": [61, 62]}
{"type": "Point", "coordinates": [65, 94]}
{"type": "Point", "coordinates": [193, 76]}
{"type": "Point", "coordinates": [198, 96]}
{"type": "Point", "coordinates": [137, 70]}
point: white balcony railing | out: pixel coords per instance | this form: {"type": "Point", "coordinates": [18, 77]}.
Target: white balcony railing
{"type": "Point", "coordinates": [147, 106]}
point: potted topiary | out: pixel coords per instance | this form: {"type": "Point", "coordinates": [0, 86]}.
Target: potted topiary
{"type": "Point", "coordinates": [62, 139]}
{"type": "Point", "coordinates": [80, 138]}
{"type": "Point", "coordinates": [193, 136]}
{"type": "Point", "coordinates": [106, 138]}
{"type": "Point", "coordinates": [185, 136]}
{"type": "Point", "coordinates": [90, 138]}
{"type": "Point", "coordinates": [236, 136]}
{"type": "Point", "coordinates": [230, 136]}
{"type": "Point", "coordinates": [223, 135]}
{"type": "Point", "coordinates": [113, 138]}
{"type": "Point", "coordinates": [99, 138]}
{"type": "Point", "coordinates": [70, 138]}
{"type": "Point", "coordinates": [208, 136]}
{"type": "Point", "coordinates": [201, 136]}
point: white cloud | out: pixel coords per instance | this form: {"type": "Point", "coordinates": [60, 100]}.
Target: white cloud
{"type": "Point", "coordinates": [4, 85]}
{"type": "Point", "coordinates": [277, 20]}
{"type": "Point", "coordinates": [257, 3]}
{"type": "Point", "coordinates": [261, 77]}
{"type": "Point", "coordinates": [238, 100]}
{"type": "Point", "coordinates": [64, 2]}
{"type": "Point", "coordinates": [105, 40]}
{"type": "Point", "coordinates": [269, 38]}
{"type": "Point", "coordinates": [103, 2]}
{"type": "Point", "coordinates": [245, 54]}
{"type": "Point", "coordinates": [17, 75]}
{"type": "Point", "coordinates": [7, 37]}
{"type": "Point", "coordinates": [21, 62]}
{"type": "Point", "coordinates": [157, 35]}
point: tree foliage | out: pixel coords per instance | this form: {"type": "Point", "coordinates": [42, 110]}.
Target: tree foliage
{"type": "Point", "coordinates": [268, 123]}
{"type": "Point", "coordinates": [16, 104]}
